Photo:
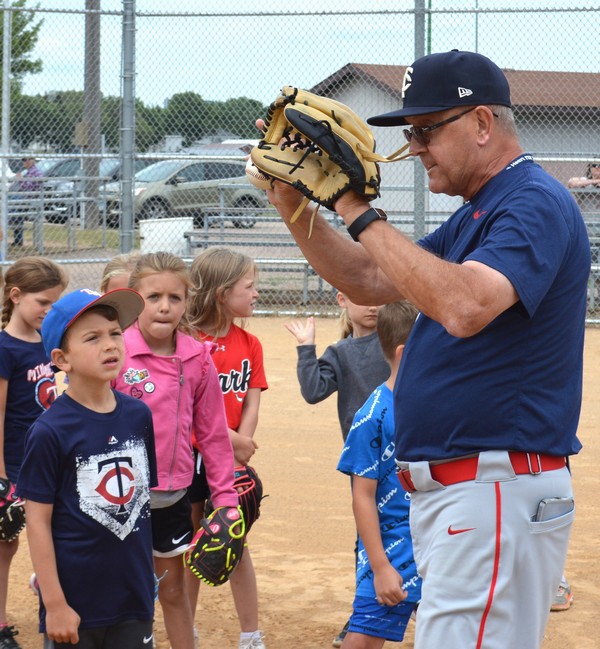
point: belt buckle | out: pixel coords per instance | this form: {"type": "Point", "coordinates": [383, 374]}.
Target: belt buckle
{"type": "Point", "coordinates": [539, 463]}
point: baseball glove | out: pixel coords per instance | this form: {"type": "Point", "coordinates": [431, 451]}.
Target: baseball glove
{"type": "Point", "coordinates": [250, 493]}
{"type": "Point", "coordinates": [217, 547]}
{"type": "Point", "coordinates": [12, 512]}
{"type": "Point", "coordinates": [320, 147]}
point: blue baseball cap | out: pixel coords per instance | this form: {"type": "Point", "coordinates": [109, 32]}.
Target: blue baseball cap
{"type": "Point", "coordinates": [127, 302]}
{"type": "Point", "coordinates": [438, 82]}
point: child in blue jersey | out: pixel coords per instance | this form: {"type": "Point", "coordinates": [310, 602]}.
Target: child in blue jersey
{"type": "Point", "coordinates": [388, 587]}
{"type": "Point", "coordinates": [86, 476]}
{"type": "Point", "coordinates": [27, 384]}
{"type": "Point", "coordinates": [353, 367]}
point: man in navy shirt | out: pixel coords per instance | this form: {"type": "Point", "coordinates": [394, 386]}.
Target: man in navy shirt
{"type": "Point", "coordinates": [489, 393]}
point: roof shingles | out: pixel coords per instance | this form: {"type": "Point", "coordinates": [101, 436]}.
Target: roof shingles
{"type": "Point", "coordinates": [529, 88]}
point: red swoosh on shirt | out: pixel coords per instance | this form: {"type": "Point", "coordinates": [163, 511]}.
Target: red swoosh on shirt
{"type": "Point", "coordinates": [452, 532]}
{"type": "Point", "coordinates": [479, 213]}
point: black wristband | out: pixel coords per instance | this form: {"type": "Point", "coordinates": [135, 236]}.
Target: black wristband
{"type": "Point", "coordinates": [365, 219]}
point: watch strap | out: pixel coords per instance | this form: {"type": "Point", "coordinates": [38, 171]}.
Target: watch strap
{"type": "Point", "coordinates": [365, 219]}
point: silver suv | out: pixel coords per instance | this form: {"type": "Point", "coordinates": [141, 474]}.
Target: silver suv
{"type": "Point", "coordinates": [201, 188]}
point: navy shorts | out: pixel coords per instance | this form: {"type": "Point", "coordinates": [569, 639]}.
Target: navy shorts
{"type": "Point", "coordinates": [133, 634]}
{"type": "Point", "coordinates": [388, 622]}
{"type": "Point", "coordinates": [198, 491]}
{"type": "Point", "coordinates": [172, 530]}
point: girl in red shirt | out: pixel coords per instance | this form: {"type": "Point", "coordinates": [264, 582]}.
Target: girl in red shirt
{"type": "Point", "coordinates": [224, 291]}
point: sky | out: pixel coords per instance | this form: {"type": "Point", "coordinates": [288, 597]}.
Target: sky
{"type": "Point", "coordinates": [224, 54]}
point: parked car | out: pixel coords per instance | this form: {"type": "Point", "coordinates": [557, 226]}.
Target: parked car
{"type": "Point", "coordinates": [191, 187]}
{"type": "Point", "coordinates": [63, 190]}
{"type": "Point", "coordinates": [65, 195]}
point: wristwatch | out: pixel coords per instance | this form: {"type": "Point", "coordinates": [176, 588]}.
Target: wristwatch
{"type": "Point", "coordinates": [4, 488]}
{"type": "Point", "coordinates": [365, 219]}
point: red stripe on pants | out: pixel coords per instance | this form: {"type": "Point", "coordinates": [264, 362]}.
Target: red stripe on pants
{"type": "Point", "coordinates": [488, 606]}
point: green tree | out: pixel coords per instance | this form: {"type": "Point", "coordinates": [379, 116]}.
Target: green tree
{"type": "Point", "coordinates": [110, 108]}
{"type": "Point", "coordinates": [67, 107]}
{"type": "Point", "coordinates": [25, 32]}
{"type": "Point", "coordinates": [240, 116]}
{"type": "Point", "coordinates": [186, 115]}
{"type": "Point", "coordinates": [34, 120]}
{"type": "Point", "coordinates": [150, 128]}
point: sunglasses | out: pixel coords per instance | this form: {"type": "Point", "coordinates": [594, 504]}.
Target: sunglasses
{"type": "Point", "coordinates": [421, 134]}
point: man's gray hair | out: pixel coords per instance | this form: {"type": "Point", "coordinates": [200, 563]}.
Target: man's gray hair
{"type": "Point", "coordinates": [506, 119]}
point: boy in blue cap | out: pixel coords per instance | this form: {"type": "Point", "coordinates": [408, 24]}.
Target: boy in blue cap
{"type": "Point", "coordinates": [86, 477]}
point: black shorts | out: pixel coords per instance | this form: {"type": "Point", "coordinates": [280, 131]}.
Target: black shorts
{"type": "Point", "coordinates": [172, 529]}
{"type": "Point", "coordinates": [131, 634]}
{"type": "Point", "coordinates": [198, 491]}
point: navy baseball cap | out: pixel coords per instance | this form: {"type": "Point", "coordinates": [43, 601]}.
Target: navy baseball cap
{"type": "Point", "coordinates": [438, 82]}
{"type": "Point", "coordinates": [127, 302]}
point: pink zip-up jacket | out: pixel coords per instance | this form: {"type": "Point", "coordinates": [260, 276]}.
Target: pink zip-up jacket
{"type": "Point", "coordinates": [185, 398]}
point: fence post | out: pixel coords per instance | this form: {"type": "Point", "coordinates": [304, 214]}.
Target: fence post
{"type": "Point", "coordinates": [419, 170]}
{"type": "Point", "coordinates": [128, 126]}
{"type": "Point", "coordinates": [6, 58]}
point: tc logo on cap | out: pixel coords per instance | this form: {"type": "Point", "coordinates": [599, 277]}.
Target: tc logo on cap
{"type": "Point", "coordinates": [407, 81]}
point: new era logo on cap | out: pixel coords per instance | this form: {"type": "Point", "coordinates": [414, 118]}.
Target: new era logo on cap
{"type": "Point", "coordinates": [464, 92]}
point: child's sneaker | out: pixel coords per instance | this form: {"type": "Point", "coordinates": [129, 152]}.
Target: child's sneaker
{"type": "Point", "coordinates": [7, 638]}
{"type": "Point", "coordinates": [254, 641]}
{"type": "Point", "coordinates": [563, 598]}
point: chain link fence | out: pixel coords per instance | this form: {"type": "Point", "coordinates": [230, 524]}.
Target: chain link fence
{"type": "Point", "coordinates": [140, 118]}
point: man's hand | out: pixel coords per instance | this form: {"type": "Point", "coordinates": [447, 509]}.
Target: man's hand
{"type": "Point", "coordinates": [350, 206]}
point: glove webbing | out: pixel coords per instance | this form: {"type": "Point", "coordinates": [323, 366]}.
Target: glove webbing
{"type": "Point", "coordinates": [298, 143]}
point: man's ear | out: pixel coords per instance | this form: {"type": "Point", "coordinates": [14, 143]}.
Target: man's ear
{"type": "Point", "coordinates": [59, 359]}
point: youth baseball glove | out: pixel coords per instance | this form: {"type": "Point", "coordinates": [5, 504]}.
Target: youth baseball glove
{"type": "Point", "coordinates": [250, 493]}
{"type": "Point", "coordinates": [12, 512]}
{"type": "Point", "coordinates": [217, 547]}
{"type": "Point", "coordinates": [320, 147]}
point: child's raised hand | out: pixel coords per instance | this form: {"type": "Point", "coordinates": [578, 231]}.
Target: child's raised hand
{"type": "Point", "coordinates": [304, 333]}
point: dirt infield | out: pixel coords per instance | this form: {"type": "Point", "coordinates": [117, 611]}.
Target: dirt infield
{"type": "Point", "coordinates": [303, 544]}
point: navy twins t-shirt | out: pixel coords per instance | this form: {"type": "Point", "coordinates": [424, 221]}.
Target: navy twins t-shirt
{"type": "Point", "coordinates": [96, 470]}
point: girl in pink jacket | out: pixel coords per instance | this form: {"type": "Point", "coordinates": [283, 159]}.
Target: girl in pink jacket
{"type": "Point", "coordinates": [174, 374]}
